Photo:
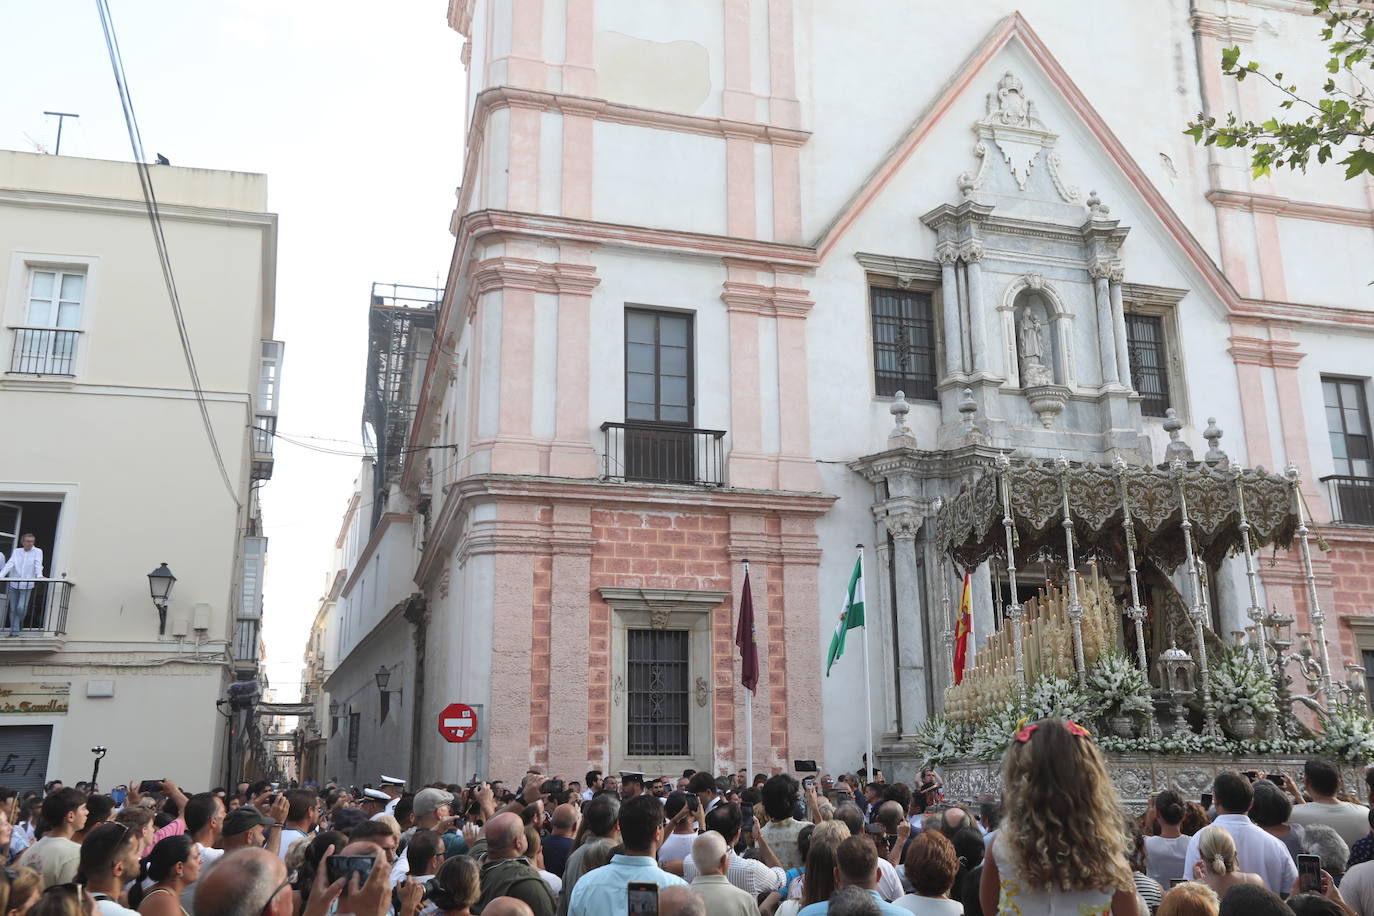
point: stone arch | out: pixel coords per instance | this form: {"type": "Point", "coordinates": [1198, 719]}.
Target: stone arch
{"type": "Point", "coordinates": [1016, 295]}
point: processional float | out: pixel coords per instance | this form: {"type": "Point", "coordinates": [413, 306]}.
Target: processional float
{"type": "Point", "coordinates": [1170, 522]}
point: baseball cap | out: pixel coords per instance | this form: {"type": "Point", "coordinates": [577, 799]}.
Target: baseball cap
{"type": "Point", "coordinates": [244, 818]}
{"type": "Point", "coordinates": [427, 801]}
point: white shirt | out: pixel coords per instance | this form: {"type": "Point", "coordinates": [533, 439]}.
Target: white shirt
{"type": "Point", "coordinates": [677, 846]}
{"type": "Point", "coordinates": [1357, 888]}
{"type": "Point", "coordinates": [749, 875]}
{"type": "Point", "coordinates": [1256, 851]}
{"type": "Point", "coordinates": [1164, 857]}
{"type": "Point", "coordinates": [889, 881]}
{"type": "Point", "coordinates": [554, 882]}
{"type": "Point", "coordinates": [25, 564]}
{"type": "Point", "coordinates": [106, 906]}
{"type": "Point", "coordinates": [289, 835]}
{"type": "Point", "coordinates": [1350, 821]}
{"type": "Point", "coordinates": [929, 906]}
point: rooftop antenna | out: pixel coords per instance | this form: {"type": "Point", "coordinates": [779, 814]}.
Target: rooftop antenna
{"type": "Point", "coordinates": [61, 116]}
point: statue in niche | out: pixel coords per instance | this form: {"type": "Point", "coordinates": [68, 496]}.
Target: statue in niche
{"type": "Point", "coordinates": [1031, 338]}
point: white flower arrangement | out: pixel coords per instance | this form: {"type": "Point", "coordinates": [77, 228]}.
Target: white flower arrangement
{"type": "Point", "coordinates": [939, 740]}
{"type": "Point", "coordinates": [1116, 687]}
{"type": "Point", "coordinates": [1347, 732]}
{"type": "Point", "coordinates": [1241, 686]}
{"type": "Point", "coordinates": [1055, 698]}
{"type": "Point", "coordinates": [991, 736]}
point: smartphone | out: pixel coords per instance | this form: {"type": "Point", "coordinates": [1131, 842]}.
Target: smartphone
{"type": "Point", "coordinates": [1309, 874]}
{"type": "Point", "coordinates": [1175, 882]}
{"type": "Point", "coordinates": [804, 766]}
{"type": "Point", "coordinates": [119, 793]}
{"type": "Point", "coordinates": [343, 866]}
{"type": "Point", "coordinates": [149, 785]}
{"type": "Point", "coordinates": [643, 898]}
{"type": "Point", "coordinates": [808, 782]}
{"type": "Point", "coordinates": [1276, 779]}
{"type": "Point", "coordinates": [1206, 801]}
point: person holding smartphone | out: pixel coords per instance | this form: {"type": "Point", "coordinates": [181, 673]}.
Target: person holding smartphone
{"type": "Point", "coordinates": [603, 891]}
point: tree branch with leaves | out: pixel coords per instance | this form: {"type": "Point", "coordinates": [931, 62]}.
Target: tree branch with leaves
{"type": "Point", "coordinates": [1338, 121]}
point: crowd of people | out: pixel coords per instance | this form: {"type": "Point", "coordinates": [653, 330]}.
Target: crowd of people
{"type": "Point", "coordinates": [1057, 840]}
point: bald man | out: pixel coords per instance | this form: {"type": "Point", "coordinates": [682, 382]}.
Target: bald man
{"type": "Point", "coordinates": [507, 873]}
{"type": "Point", "coordinates": [507, 906]}
{"type": "Point", "coordinates": [684, 901]}
{"type": "Point", "coordinates": [246, 881]}
{"type": "Point", "coordinates": [712, 857]}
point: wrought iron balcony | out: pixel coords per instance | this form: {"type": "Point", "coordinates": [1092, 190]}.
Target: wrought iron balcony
{"type": "Point", "coordinates": [659, 453]}
{"type": "Point", "coordinates": [1351, 499]}
{"type": "Point", "coordinates": [43, 351]}
{"type": "Point", "coordinates": [43, 624]}
{"type": "Point", "coordinates": [264, 431]}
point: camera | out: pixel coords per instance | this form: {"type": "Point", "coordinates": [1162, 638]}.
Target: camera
{"type": "Point", "coordinates": [551, 787]}
{"type": "Point", "coordinates": [149, 785]}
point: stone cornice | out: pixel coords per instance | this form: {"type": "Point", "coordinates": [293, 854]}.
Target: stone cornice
{"type": "Point", "coordinates": [904, 270]}
{"type": "Point", "coordinates": [452, 531]}
{"type": "Point", "coordinates": [1160, 295]}
{"type": "Point", "coordinates": [1260, 351]}
{"type": "Point", "coordinates": [941, 464]}
{"type": "Point", "coordinates": [1294, 209]}
{"type": "Point", "coordinates": [1223, 27]}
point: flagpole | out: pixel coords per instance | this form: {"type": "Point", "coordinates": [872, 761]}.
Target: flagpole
{"type": "Point", "coordinates": [748, 718]}
{"type": "Point", "coordinates": [868, 705]}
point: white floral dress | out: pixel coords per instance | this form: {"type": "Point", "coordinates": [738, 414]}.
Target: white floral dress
{"type": "Point", "coordinates": [1015, 899]}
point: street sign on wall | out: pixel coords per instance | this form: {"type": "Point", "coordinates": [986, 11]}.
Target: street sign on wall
{"type": "Point", "coordinates": [458, 722]}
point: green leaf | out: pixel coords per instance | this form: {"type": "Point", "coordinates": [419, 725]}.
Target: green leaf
{"type": "Point", "coordinates": [1358, 162]}
{"type": "Point", "coordinates": [1229, 57]}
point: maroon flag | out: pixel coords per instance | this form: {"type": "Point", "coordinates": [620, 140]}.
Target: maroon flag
{"type": "Point", "coordinates": [744, 638]}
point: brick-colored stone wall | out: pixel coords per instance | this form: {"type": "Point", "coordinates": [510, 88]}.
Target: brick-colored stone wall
{"type": "Point", "coordinates": [656, 550]}
{"type": "Point", "coordinates": [1352, 569]}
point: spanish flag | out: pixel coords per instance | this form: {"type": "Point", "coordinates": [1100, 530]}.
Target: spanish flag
{"type": "Point", "coordinates": [963, 629]}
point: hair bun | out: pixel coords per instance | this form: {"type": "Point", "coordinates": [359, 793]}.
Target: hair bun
{"type": "Point", "coordinates": [1218, 864]}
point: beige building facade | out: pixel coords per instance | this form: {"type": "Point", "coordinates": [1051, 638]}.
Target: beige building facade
{"type": "Point", "coordinates": [107, 461]}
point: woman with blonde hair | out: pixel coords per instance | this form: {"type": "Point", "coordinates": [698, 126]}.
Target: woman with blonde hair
{"type": "Point", "coordinates": [1216, 865]}
{"type": "Point", "coordinates": [19, 890]}
{"type": "Point", "coordinates": [1190, 899]}
{"type": "Point", "coordinates": [1060, 848]}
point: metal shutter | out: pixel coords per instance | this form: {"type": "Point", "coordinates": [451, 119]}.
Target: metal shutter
{"type": "Point", "coordinates": [24, 756]}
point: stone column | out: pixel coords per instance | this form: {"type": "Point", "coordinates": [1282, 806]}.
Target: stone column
{"type": "Point", "coordinates": [911, 649]}
{"type": "Point", "coordinates": [972, 253]}
{"type": "Point", "coordinates": [947, 255]}
{"type": "Point", "coordinates": [1123, 353]}
{"type": "Point", "coordinates": [886, 634]}
{"type": "Point", "coordinates": [1106, 339]}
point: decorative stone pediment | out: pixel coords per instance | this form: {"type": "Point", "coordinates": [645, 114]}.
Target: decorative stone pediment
{"type": "Point", "coordinates": [664, 606]}
{"type": "Point", "coordinates": [1013, 128]}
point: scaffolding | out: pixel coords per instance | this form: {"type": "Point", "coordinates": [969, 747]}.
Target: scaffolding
{"type": "Point", "coordinates": [400, 325]}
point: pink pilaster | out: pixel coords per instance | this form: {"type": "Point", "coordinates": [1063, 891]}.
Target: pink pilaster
{"type": "Point", "coordinates": [802, 627]}
{"type": "Point", "coordinates": [737, 99]}
{"type": "Point", "coordinates": [579, 62]}
{"type": "Point", "coordinates": [578, 164]}
{"type": "Point", "coordinates": [508, 719]}
{"type": "Point", "coordinates": [791, 303]}
{"type": "Point", "coordinates": [571, 453]}
{"type": "Point", "coordinates": [787, 211]}
{"type": "Point", "coordinates": [740, 211]}
{"type": "Point", "coordinates": [569, 637]}
{"type": "Point", "coordinates": [515, 450]}
{"type": "Point", "coordinates": [525, 66]}
{"type": "Point", "coordinates": [1270, 256]}
{"type": "Point", "coordinates": [748, 466]}
{"type": "Point", "coordinates": [783, 107]}
{"type": "Point", "coordinates": [522, 163]}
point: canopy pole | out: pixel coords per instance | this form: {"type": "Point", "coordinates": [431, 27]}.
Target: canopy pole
{"type": "Point", "coordinates": [1014, 610]}
{"type": "Point", "coordinates": [1209, 727]}
{"type": "Point", "coordinates": [1135, 611]}
{"type": "Point", "coordinates": [1314, 607]}
{"type": "Point", "coordinates": [1254, 612]}
{"type": "Point", "coordinates": [1075, 607]}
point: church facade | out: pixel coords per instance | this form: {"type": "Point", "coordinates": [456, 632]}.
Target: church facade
{"type": "Point", "coordinates": [766, 279]}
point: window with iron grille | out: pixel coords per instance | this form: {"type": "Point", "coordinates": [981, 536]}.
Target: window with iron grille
{"type": "Point", "coordinates": [1149, 362]}
{"type": "Point", "coordinates": [903, 343]}
{"type": "Point", "coordinates": [658, 693]}
{"type": "Point", "coordinates": [1347, 423]}
{"type": "Point", "coordinates": [355, 721]}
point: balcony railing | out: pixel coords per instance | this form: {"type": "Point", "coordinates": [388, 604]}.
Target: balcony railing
{"type": "Point", "coordinates": [1351, 499]}
{"type": "Point", "coordinates": [264, 431]}
{"type": "Point", "coordinates": [42, 604]}
{"type": "Point", "coordinates": [43, 351]}
{"type": "Point", "coordinates": [663, 454]}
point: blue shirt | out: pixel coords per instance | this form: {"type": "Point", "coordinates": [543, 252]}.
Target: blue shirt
{"type": "Point", "coordinates": [604, 891]}
{"type": "Point", "coordinates": [823, 908]}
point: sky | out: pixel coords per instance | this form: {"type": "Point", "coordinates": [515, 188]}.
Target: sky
{"type": "Point", "coordinates": [356, 118]}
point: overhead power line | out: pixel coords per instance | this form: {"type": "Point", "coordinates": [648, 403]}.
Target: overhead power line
{"type": "Point", "coordinates": [159, 238]}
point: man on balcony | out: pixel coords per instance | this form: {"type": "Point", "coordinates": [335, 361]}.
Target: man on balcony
{"type": "Point", "coordinates": [23, 567]}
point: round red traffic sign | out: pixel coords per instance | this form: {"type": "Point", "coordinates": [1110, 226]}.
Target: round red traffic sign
{"type": "Point", "coordinates": [458, 722]}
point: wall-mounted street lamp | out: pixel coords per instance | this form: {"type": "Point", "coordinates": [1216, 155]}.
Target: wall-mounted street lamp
{"type": "Point", "coordinates": [160, 582]}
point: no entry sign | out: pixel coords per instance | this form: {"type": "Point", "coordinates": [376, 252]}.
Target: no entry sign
{"type": "Point", "coordinates": [458, 722]}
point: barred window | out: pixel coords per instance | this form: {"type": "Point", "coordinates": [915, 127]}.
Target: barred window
{"type": "Point", "coordinates": [658, 694]}
{"type": "Point", "coordinates": [903, 343]}
{"type": "Point", "coordinates": [355, 721]}
{"type": "Point", "coordinates": [1149, 362]}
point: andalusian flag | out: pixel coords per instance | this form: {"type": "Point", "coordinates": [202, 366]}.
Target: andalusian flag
{"type": "Point", "coordinates": [852, 616]}
{"type": "Point", "coordinates": [963, 630]}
